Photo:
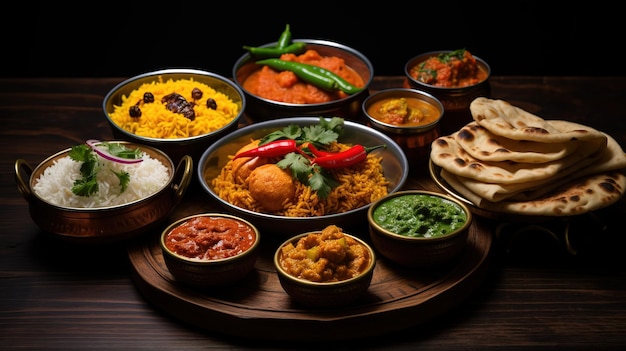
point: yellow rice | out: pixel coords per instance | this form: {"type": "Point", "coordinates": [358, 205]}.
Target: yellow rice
{"type": "Point", "coordinates": [157, 121]}
{"type": "Point", "coordinates": [359, 185]}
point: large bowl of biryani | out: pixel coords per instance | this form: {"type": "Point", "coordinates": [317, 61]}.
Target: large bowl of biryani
{"type": "Point", "coordinates": [298, 189]}
{"type": "Point", "coordinates": [103, 191]}
{"type": "Point", "coordinates": [179, 111]}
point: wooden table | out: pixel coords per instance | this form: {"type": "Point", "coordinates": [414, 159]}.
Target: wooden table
{"type": "Point", "coordinates": [536, 294]}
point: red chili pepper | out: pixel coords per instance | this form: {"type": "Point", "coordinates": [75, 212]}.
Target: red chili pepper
{"type": "Point", "coordinates": [317, 152]}
{"type": "Point", "coordinates": [346, 158]}
{"type": "Point", "coordinates": [274, 149]}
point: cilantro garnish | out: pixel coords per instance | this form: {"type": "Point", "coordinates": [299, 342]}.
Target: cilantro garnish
{"type": "Point", "coordinates": [324, 133]}
{"type": "Point", "coordinates": [88, 184]}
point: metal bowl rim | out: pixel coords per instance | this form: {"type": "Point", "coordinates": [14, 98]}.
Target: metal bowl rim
{"type": "Point", "coordinates": [209, 263]}
{"type": "Point", "coordinates": [412, 61]}
{"type": "Point", "coordinates": [366, 274]}
{"type": "Point", "coordinates": [242, 60]}
{"type": "Point", "coordinates": [386, 233]}
{"type": "Point", "coordinates": [168, 71]}
{"type": "Point", "coordinates": [279, 123]}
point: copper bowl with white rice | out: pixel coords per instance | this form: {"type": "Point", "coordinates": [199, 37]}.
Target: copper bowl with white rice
{"type": "Point", "coordinates": [155, 187]}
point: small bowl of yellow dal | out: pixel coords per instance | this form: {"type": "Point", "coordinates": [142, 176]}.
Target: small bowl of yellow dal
{"type": "Point", "coordinates": [326, 268]}
{"type": "Point", "coordinates": [410, 117]}
{"type": "Point", "coordinates": [180, 111]}
{"type": "Point", "coordinates": [419, 228]}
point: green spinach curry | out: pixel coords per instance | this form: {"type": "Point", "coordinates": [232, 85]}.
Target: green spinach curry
{"type": "Point", "coordinates": [419, 215]}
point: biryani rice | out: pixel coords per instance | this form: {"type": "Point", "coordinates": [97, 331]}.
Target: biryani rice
{"type": "Point", "coordinates": [359, 186]}
{"type": "Point", "coordinates": [157, 121]}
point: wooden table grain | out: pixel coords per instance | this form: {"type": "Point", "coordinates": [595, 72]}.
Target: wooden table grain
{"type": "Point", "coordinates": [536, 294]}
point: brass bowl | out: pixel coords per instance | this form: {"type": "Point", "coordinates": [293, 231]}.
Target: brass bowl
{"type": "Point", "coordinates": [453, 98]}
{"type": "Point", "coordinates": [325, 294]}
{"type": "Point", "coordinates": [175, 148]}
{"type": "Point", "coordinates": [210, 272]}
{"type": "Point", "coordinates": [414, 140]}
{"type": "Point", "coordinates": [348, 108]}
{"type": "Point", "coordinates": [419, 251]}
{"type": "Point", "coordinates": [104, 224]}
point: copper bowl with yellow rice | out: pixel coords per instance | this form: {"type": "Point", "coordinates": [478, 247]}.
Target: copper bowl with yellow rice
{"type": "Point", "coordinates": [170, 131]}
{"type": "Point", "coordinates": [394, 167]}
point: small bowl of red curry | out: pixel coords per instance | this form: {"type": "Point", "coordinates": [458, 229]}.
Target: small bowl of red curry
{"type": "Point", "coordinates": [419, 228]}
{"type": "Point", "coordinates": [410, 117]}
{"type": "Point", "coordinates": [273, 93]}
{"type": "Point", "coordinates": [325, 268]}
{"type": "Point", "coordinates": [455, 77]}
{"type": "Point", "coordinates": [210, 249]}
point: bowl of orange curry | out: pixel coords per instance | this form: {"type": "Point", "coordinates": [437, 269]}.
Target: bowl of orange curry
{"type": "Point", "coordinates": [455, 77]}
{"type": "Point", "coordinates": [269, 191]}
{"type": "Point", "coordinates": [273, 93]}
{"type": "Point", "coordinates": [210, 249]}
{"type": "Point", "coordinates": [326, 268]}
{"type": "Point", "coordinates": [410, 117]}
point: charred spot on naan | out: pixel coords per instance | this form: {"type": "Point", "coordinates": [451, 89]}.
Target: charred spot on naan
{"type": "Point", "coordinates": [534, 130]}
{"type": "Point", "coordinates": [610, 185]}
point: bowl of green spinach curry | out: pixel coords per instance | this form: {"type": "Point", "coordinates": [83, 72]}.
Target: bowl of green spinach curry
{"type": "Point", "coordinates": [419, 228]}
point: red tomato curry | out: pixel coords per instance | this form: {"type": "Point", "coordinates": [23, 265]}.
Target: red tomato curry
{"type": "Point", "coordinates": [285, 86]}
{"type": "Point", "coordinates": [451, 70]}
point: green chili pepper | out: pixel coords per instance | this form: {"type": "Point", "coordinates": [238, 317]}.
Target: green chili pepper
{"type": "Point", "coordinates": [315, 75]}
{"type": "Point", "coordinates": [285, 38]}
{"type": "Point", "coordinates": [308, 73]}
{"type": "Point", "coordinates": [269, 52]}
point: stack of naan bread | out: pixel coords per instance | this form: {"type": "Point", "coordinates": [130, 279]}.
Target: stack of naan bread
{"type": "Point", "coordinates": [511, 161]}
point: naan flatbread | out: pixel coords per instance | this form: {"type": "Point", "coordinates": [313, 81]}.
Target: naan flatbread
{"type": "Point", "coordinates": [502, 118]}
{"type": "Point", "coordinates": [612, 158]}
{"type": "Point", "coordinates": [448, 154]}
{"type": "Point", "coordinates": [481, 144]}
{"type": "Point", "coordinates": [585, 194]}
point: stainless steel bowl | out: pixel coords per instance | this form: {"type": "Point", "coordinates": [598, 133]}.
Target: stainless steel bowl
{"type": "Point", "coordinates": [349, 107]}
{"type": "Point", "coordinates": [104, 224]}
{"type": "Point", "coordinates": [395, 167]}
{"type": "Point", "coordinates": [176, 148]}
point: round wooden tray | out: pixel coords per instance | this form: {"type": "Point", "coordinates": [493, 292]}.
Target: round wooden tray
{"type": "Point", "coordinates": [258, 307]}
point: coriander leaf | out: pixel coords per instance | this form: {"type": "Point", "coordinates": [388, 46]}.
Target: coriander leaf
{"type": "Point", "coordinates": [85, 186]}
{"type": "Point", "coordinates": [322, 183]}
{"type": "Point", "coordinates": [124, 178]}
{"type": "Point", "coordinates": [336, 124]}
{"type": "Point", "coordinates": [292, 131]}
{"type": "Point", "coordinates": [120, 150]}
{"type": "Point", "coordinates": [319, 135]}
{"type": "Point", "coordinates": [299, 165]}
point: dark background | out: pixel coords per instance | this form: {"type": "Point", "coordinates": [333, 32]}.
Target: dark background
{"type": "Point", "coordinates": [123, 39]}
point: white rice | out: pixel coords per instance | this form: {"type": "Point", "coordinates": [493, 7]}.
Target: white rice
{"type": "Point", "coordinates": [146, 178]}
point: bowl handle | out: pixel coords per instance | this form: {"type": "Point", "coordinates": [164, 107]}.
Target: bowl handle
{"type": "Point", "coordinates": [23, 186]}
{"type": "Point", "coordinates": [186, 165]}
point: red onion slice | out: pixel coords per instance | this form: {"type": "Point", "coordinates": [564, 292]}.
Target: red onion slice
{"type": "Point", "coordinates": [92, 143]}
